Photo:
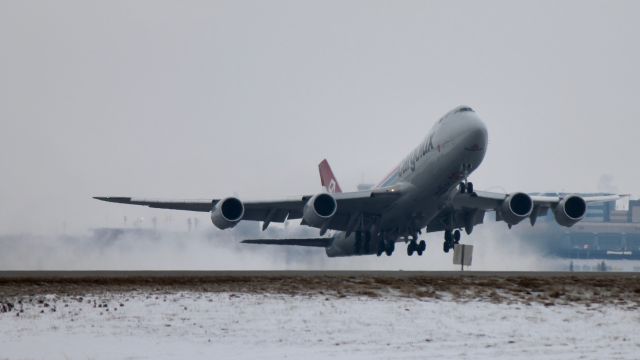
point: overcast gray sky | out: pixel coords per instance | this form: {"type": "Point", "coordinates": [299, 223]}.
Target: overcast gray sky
{"type": "Point", "coordinates": [192, 99]}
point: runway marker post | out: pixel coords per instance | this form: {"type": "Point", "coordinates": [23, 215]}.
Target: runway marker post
{"type": "Point", "coordinates": [462, 255]}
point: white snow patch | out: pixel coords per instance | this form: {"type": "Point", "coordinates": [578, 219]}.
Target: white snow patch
{"type": "Point", "coordinates": [194, 325]}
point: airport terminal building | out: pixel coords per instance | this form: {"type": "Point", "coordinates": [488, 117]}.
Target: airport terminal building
{"type": "Point", "coordinates": [605, 233]}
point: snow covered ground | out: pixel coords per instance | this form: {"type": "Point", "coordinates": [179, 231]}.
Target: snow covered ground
{"type": "Point", "coordinates": [224, 325]}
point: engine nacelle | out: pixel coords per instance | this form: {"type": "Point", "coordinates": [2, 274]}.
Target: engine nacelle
{"type": "Point", "coordinates": [570, 210]}
{"type": "Point", "coordinates": [319, 209]}
{"type": "Point", "coordinates": [516, 207]}
{"type": "Point", "coordinates": [227, 213]}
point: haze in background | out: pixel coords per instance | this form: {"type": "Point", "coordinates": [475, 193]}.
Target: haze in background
{"type": "Point", "coordinates": [195, 99]}
{"type": "Point", "coordinates": [208, 249]}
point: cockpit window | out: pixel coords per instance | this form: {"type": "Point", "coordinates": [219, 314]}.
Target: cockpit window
{"type": "Point", "coordinates": [463, 109]}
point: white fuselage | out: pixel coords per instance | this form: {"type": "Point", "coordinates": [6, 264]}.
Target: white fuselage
{"type": "Point", "coordinates": [429, 175]}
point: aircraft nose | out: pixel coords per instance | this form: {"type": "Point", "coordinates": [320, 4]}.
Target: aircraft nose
{"type": "Point", "coordinates": [477, 136]}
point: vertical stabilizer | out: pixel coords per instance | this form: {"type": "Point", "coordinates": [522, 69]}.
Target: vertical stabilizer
{"type": "Point", "coordinates": [327, 179]}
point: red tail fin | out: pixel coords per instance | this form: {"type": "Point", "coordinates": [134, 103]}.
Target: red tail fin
{"type": "Point", "coordinates": [327, 179]}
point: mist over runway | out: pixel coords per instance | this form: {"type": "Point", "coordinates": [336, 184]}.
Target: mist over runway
{"type": "Point", "coordinates": [207, 249]}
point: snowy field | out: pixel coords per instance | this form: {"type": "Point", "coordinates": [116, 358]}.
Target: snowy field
{"type": "Point", "coordinates": [167, 324]}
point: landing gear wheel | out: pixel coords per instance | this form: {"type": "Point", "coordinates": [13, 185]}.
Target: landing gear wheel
{"type": "Point", "coordinates": [381, 248]}
{"type": "Point", "coordinates": [389, 248]}
{"type": "Point", "coordinates": [463, 188]}
{"type": "Point", "coordinates": [411, 248]}
{"type": "Point", "coordinates": [448, 241]}
{"type": "Point", "coordinates": [420, 247]}
{"type": "Point", "coordinates": [456, 236]}
{"type": "Point", "coordinates": [470, 188]}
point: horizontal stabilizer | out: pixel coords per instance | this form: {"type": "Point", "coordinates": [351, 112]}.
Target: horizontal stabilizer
{"type": "Point", "coordinates": [312, 242]}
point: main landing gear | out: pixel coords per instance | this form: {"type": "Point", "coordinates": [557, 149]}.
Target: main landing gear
{"type": "Point", "coordinates": [387, 244]}
{"type": "Point", "coordinates": [450, 239]}
{"type": "Point", "coordinates": [417, 247]}
{"type": "Point", "coordinates": [414, 246]}
{"type": "Point", "coordinates": [386, 247]}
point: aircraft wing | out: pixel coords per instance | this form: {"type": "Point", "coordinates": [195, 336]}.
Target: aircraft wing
{"type": "Point", "coordinates": [490, 201]}
{"type": "Point", "coordinates": [355, 209]}
{"type": "Point", "coordinates": [468, 210]}
{"type": "Point", "coordinates": [191, 205]}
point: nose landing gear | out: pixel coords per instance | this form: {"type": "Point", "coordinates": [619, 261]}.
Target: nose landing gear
{"type": "Point", "coordinates": [466, 187]}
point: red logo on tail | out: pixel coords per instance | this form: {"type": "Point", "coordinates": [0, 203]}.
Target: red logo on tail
{"type": "Point", "coordinates": [327, 179]}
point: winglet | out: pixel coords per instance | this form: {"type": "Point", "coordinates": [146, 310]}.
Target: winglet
{"type": "Point", "coordinates": [327, 179]}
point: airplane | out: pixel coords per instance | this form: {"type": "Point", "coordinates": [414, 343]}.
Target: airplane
{"type": "Point", "coordinates": [429, 189]}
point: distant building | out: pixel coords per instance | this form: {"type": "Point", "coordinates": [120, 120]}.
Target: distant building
{"type": "Point", "coordinates": [598, 213]}
{"type": "Point", "coordinates": [605, 233]}
{"type": "Point", "coordinates": [634, 211]}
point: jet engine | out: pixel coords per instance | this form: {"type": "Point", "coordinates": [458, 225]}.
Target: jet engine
{"type": "Point", "coordinates": [319, 209]}
{"type": "Point", "coordinates": [227, 213]}
{"type": "Point", "coordinates": [570, 210]}
{"type": "Point", "coordinates": [516, 207]}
